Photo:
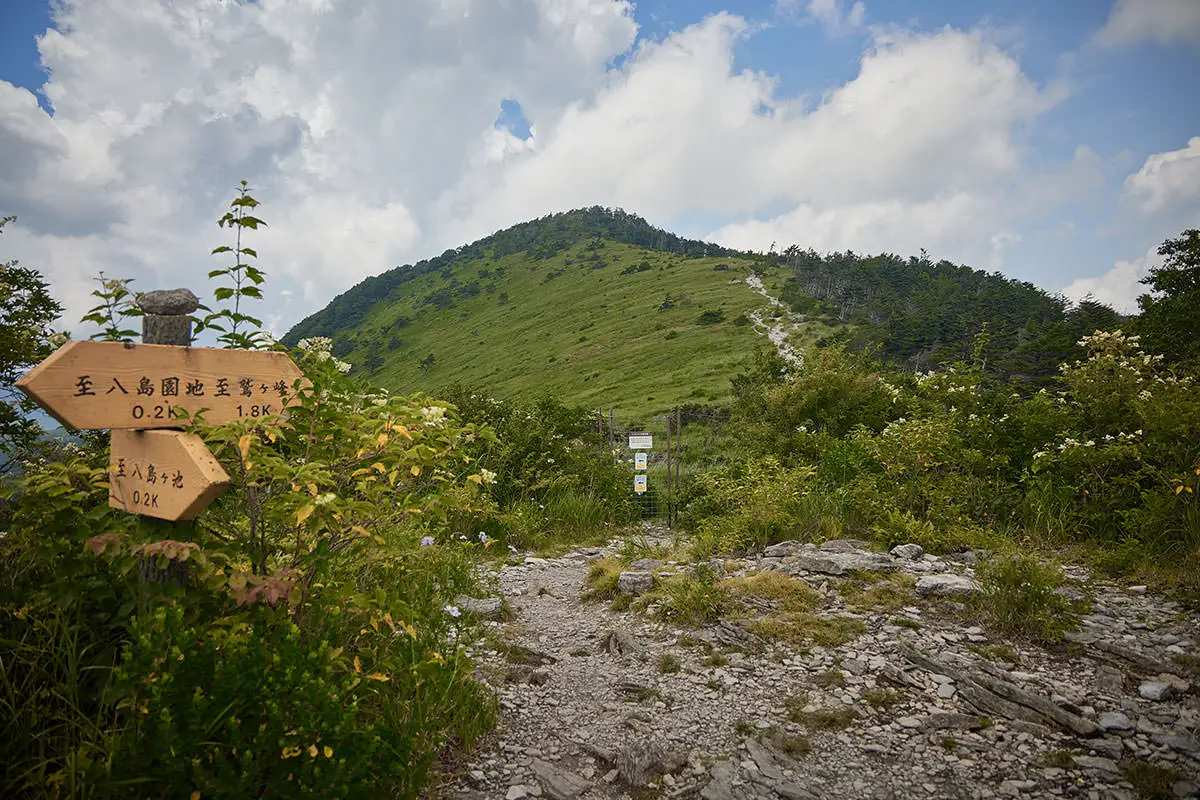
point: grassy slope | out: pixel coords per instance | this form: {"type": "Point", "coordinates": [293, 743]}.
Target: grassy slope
{"type": "Point", "coordinates": [592, 337]}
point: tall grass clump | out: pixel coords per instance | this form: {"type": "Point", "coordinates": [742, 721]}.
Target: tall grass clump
{"type": "Point", "coordinates": [1018, 597]}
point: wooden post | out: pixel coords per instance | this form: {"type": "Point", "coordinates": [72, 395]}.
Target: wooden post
{"type": "Point", "coordinates": [165, 321]}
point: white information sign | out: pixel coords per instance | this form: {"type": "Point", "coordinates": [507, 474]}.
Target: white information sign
{"type": "Point", "coordinates": [639, 460]}
{"type": "Point", "coordinates": [640, 440]}
{"type": "Point", "coordinates": [639, 484]}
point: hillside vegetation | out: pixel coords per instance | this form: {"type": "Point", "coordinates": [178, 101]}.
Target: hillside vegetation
{"type": "Point", "coordinates": [600, 308]}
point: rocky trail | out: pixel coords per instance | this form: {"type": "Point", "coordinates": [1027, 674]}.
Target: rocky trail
{"type": "Point", "coordinates": [777, 323]}
{"type": "Point", "coordinates": [921, 703]}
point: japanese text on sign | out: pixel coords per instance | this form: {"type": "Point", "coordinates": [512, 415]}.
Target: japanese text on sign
{"type": "Point", "coordinates": [192, 387]}
{"type": "Point", "coordinates": [164, 474]}
{"type": "Point", "coordinates": [116, 385]}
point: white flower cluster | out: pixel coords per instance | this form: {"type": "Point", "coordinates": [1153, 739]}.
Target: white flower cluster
{"type": "Point", "coordinates": [319, 348]}
{"type": "Point", "coordinates": [487, 476]}
{"type": "Point", "coordinates": [1069, 443]}
{"type": "Point", "coordinates": [317, 344]}
{"type": "Point", "coordinates": [1118, 347]}
{"type": "Point", "coordinates": [1101, 339]}
{"type": "Point", "coordinates": [434, 416]}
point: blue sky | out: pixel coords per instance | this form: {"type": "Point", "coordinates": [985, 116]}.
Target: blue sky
{"type": "Point", "coordinates": [1049, 141]}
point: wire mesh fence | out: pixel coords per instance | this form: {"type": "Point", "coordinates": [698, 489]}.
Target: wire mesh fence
{"type": "Point", "coordinates": [665, 452]}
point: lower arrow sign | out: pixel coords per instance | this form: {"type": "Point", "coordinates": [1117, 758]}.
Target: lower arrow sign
{"type": "Point", "coordinates": [165, 474]}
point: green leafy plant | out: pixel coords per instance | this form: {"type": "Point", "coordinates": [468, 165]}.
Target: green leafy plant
{"type": "Point", "coordinates": [237, 329]}
{"type": "Point", "coordinates": [118, 304]}
{"type": "Point", "coordinates": [27, 310]}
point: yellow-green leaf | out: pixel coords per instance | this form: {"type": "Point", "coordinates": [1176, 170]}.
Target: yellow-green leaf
{"type": "Point", "coordinates": [304, 513]}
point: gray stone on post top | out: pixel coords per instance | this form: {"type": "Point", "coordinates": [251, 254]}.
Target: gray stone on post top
{"type": "Point", "coordinates": [169, 302]}
{"type": "Point", "coordinates": [166, 320]}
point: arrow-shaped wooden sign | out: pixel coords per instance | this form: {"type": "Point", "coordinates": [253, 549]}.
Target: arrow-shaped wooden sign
{"type": "Point", "coordinates": [164, 474]}
{"type": "Point", "coordinates": [129, 386]}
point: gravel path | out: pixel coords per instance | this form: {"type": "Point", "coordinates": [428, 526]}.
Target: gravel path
{"type": "Point", "coordinates": [930, 707]}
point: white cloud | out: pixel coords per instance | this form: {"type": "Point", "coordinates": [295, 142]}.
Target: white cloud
{"type": "Point", "coordinates": [1119, 287]}
{"type": "Point", "coordinates": [949, 223]}
{"type": "Point", "coordinates": [1164, 21]}
{"type": "Point", "coordinates": [929, 125]}
{"type": "Point", "coordinates": [366, 128]}
{"type": "Point", "coordinates": [349, 117]}
{"type": "Point", "coordinates": [1168, 180]}
{"type": "Point", "coordinates": [833, 15]}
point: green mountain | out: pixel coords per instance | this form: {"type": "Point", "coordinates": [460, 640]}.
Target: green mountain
{"type": "Point", "coordinates": [600, 308]}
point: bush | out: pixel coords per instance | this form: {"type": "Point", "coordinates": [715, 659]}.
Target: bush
{"type": "Point", "coordinates": [1018, 597]}
{"type": "Point", "coordinates": [554, 476]}
{"type": "Point", "coordinates": [262, 707]}
{"type": "Point", "coordinates": [746, 505]}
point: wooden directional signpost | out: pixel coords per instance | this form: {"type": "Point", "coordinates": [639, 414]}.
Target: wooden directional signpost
{"type": "Point", "coordinates": [138, 386]}
{"type": "Point", "coordinates": [164, 474]}
{"type": "Point", "coordinates": [134, 388]}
